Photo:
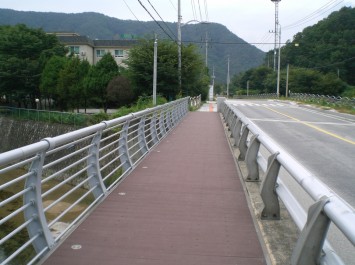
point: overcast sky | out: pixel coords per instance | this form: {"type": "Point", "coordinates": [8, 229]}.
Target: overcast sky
{"type": "Point", "coordinates": [250, 20]}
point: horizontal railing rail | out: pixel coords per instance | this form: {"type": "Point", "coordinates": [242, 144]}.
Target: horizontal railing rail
{"type": "Point", "coordinates": [312, 246]}
{"type": "Point", "coordinates": [47, 187]}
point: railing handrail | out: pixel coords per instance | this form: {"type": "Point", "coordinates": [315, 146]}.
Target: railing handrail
{"type": "Point", "coordinates": [336, 209]}
{"type": "Point", "coordinates": [88, 159]}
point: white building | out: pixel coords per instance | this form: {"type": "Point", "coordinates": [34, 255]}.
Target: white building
{"type": "Point", "coordinates": [93, 50]}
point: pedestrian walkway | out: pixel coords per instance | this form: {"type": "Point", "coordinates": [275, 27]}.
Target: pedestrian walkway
{"type": "Point", "coordinates": [209, 106]}
{"type": "Point", "coordinates": [183, 205]}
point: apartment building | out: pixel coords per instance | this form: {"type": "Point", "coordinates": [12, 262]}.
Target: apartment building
{"type": "Point", "coordinates": [93, 50]}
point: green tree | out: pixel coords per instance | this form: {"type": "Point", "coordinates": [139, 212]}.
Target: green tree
{"type": "Point", "coordinates": [327, 46]}
{"type": "Point", "coordinates": [98, 79]}
{"type": "Point", "coordinates": [70, 89]}
{"type": "Point", "coordinates": [119, 91]}
{"type": "Point", "coordinates": [194, 78]}
{"type": "Point", "coordinates": [23, 55]}
{"type": "Point", "coordinates": [49, 78]}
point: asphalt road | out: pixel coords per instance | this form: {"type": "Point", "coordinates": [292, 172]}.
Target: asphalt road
{"type": "Point", "coordinates": [323, 141]}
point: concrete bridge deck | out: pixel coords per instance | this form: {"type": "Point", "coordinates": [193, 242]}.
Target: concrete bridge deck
{"type": "Point", "coordinates": [183, 204]}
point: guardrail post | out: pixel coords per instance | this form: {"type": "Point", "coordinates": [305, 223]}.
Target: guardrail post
{"type": "Point", "coordinates": [308, 249]}
{"type": "Point", "coordinates": [35, 211]}
{"type": "Point", "coordinates": [233, 122]}
{"type": "Point", "coordinates": [269, 196]}
{"type": "Point", "coordinates": [242, 144]}
{"type": "Point", "coordinates": [162, 128]}
{"type": "Point", "coordinates": [141, 136]}
{"type": "Point", "coordinates": [251, 159]}
{"type": "Point", "coordinates": [153, 129]}
{"type": "Point", "coordinates": [94, 169]}
{"type": "Point", "coordinates": [236, 131]}
{"type": "Point", "coordinates": [123, 147]}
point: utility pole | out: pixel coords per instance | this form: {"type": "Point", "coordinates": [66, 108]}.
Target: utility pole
{"type": "Point", "coordinates": [276, 28]}
{"type": "Point", "coordinates": [287, 73]}
{"type": "Point", "coordinates": [278, 67]}
{"type": "Point", "coordinates": [179, 43]}
{"type": "Point", "coordinates": [155, 71]}
{"type": "Point", "coordinates": [228, 79]}
{"type": "Point", "coordinates": [206, 41]}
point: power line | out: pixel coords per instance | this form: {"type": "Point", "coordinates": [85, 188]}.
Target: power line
{"type": "Point", "coordinates": [173, 5]}
{"type": "Point", "coordinates": [162, 19]}
{"type": "Point", "coordinates": [199, 7]}
{"type": "Point", "coordinates": [320, 11]}
{"type": "Point", "coordinates": [325, 66]}
{"type": "Point", "coordinates": [206, 10]}
{"type": "Point", "coordinates": [155, 20]}
{"type": "Point", "coordinates": [193, 9]}
{"type": "Point", "coordinates": [134, 14]}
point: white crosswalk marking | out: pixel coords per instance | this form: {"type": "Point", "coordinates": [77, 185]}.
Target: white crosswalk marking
{"type": "Point", "coordinates": [245, 104]}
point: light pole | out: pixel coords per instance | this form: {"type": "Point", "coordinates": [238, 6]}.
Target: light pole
{"type": "Point", "coordinates": [155, 71]}
{"type": "Point", "coordinates": [278, 66]}
{"type": "Point", "coordinates": [37, 107]}
{"type": "Point", "coordinates": [179, 44]}
{"type": "Point", "coordinates": [276, 28]}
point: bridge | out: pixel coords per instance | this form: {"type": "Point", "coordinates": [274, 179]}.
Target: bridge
{"type": "Point", "coordinates": [160, 186]}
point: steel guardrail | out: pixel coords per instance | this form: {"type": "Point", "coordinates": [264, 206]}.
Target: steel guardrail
{"type": "Point", "coordinates": [328, 207]}
{"type": "Point", "coordinates": [47, 187]}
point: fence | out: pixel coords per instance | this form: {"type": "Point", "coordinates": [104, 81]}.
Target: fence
{"type": "Point", "coordinates": [71, 118]}
{"type": "Point", "coordinates": [312, 246]}
{"type": "Point", "coordinates": [49, 186]}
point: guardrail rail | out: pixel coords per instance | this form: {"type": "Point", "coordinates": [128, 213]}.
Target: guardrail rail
{"type": "Point", "coordinates": [48, 186]}
{"type": "Point", "coordinates": [312, 246]}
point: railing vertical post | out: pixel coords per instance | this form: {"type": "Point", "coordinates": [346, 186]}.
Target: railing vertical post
{"type": "Point", "coordinates": [242, 144]}
{"type": "Point", "coordinates": [310, 243]}
{"type": "Point", "coordinates": [141, 136]}
{"type": "Point", "coordinates": [162, 128]}
{"type": "Point", "coordinates": [268, 193]}
{"type": "Point", "coordinates": [94, 169]}
{"type": "Point", "coordinates": [123, 147]}
{"type": "Point", "coordinates": [35, 211]}
{"type": "Point", "coordinates": [251, 159]}
{"type": "Point", "coordinates": [153, 129]}
{"type": "Point", "coordinates": [236, 131]}
{"type": "Point", "coordinates": [168, 119]}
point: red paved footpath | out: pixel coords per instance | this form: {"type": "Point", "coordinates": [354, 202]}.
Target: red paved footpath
{"type": "Point", "coordinates": [183, 205]}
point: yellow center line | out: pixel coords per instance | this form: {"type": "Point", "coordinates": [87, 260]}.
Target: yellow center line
{"type": "Point", "coordinates": [313, 126]}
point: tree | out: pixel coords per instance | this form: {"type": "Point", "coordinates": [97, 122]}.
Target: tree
{"type": "Point", "coordinates": [99, 77]}
{"type": "Point", "coordinates": [119, 91]}
{"type": "Point", "coordinates": [70, 89]}
{"type": "Point", "coordinates": [49, 78]}
{"type": "Point", "coordinates": [140, 66]}
{"type": "Point", "coordinates": [23, 55]}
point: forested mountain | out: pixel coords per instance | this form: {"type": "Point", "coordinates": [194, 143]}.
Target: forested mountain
{"type": "Point", "coordinates": [328, 46]}
{"type": "Point", "coordinates": [221, 42]}
{"type": "Point", "coordinates": [321, 60]}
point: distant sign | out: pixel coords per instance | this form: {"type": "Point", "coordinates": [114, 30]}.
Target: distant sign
{"type": "Point", "coordinates": [210, 93]}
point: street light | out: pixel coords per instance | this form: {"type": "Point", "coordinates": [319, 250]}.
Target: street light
{"type": "Point", "coordinates": [37, 107]}
{"type": "Point", "coordinates": [37, 103]}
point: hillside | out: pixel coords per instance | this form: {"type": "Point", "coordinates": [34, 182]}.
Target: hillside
{"type": "Point", "coordinates": [222, 42]}
{"type": "Point", "coordinates": [327, 46]}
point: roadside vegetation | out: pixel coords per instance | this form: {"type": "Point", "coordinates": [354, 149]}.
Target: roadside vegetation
{"type": "Point", "coordinates": [321, 61]}
{"type": "Point", "coordinates": [37, 73]}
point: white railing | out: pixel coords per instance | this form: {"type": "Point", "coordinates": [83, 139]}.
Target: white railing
{"type": "Point", "coordinates": [312, 246]}
{"type": "Point", "coordinates": [48, 186]}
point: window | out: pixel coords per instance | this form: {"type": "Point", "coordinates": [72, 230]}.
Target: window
{"type": "Point", "coordinates": [100, 53]}
{"type": "Point", "coordinates": [74, 49]}
{"type": "Point", "coordinates": [118, 53]}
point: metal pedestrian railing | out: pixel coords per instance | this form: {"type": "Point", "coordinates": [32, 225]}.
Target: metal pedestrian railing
{"type": "Point", "coordinates": [47, 187]}
{"type": "Point", "coordinates": [312, 246]}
